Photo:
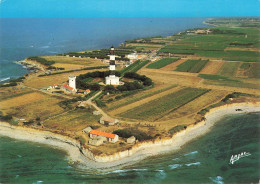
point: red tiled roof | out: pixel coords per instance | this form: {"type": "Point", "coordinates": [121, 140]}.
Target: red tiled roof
{"type": "Point", "coordinates": [68, 87]}
{"type": "Point", "coordinates": [105, 134]}
{"type": "Point", "coordinates": [87, 90]}
{"type": "Point", "coordinates": [54, 85]}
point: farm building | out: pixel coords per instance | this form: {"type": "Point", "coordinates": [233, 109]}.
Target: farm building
{"type": "Point", "coordinates": [132, 56]}
{"type": "Point", "coordinates": [131, 140]}
{"type": "Point", "coordinates": [96, 134]}
{"type": "Point", "coordinates": [68, 89]}
{"type": "Point", "coordinates": [96, 113]}
{"type": "Point", "coordinates": [87, 91]}
{"type": "Point", "coordinates": [87, 130]}
{"type": "Point", "coordinates": [54, 86]}
{"type": "Point", "coordinates": [108, 121]}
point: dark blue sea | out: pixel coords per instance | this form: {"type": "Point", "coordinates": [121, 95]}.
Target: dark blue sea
{"type": "Point", "coordinates": [23, 37]}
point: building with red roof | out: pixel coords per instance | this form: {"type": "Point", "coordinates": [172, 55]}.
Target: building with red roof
{"type": "Point", "coordinates": [68, 89]}
{"type": "Point", "coordinates": [99, 134]}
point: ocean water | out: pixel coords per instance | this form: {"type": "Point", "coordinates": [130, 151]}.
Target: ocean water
{"type": "Point", "coordinates": [23, 37]}
{"type": "Point", "coordinates": [204, 160]}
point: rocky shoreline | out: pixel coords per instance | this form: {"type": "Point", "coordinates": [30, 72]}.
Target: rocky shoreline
{"type": "Point", "coordinates": [138, 152]}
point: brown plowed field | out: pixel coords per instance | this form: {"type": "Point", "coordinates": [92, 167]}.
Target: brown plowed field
{"type": "Point", "coordinates": [212, 67]}
{"type": "Point", "coordinates": [171, 77]}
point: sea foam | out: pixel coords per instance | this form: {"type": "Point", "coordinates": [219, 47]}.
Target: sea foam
{"type": "Point", "coordinates": [191, 153]}
{"type": "Point", "coordinates": [190, 164]}
{"type": "Point", "coordinates": [174, 166]}
{"type": "Point", "coordinates": [218, 180]}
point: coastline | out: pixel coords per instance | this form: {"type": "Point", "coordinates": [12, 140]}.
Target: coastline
{"type": "Point", "coordinates": [138, 152]}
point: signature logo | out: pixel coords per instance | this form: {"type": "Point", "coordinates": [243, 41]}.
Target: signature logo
{"type": "Point", "coordinates": [235, 158]}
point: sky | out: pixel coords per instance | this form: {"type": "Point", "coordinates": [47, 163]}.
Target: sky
{"type": "Point", "coordinates": [127, 8]}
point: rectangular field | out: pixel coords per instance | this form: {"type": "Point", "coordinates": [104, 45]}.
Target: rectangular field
{"type": "Point", "coordinates": [137, 97]}
{"type": "Point", "coordinates": [162, 62]}
{"type": "Point", "coordinates": [192, 66]}
{"type": "Point", "coordinates": [32, 105]}
{"type": "Point", "coordinates": [134, 67]}
{"type": "Point", "coordinates": [73, 120]}
{"type": "Point", "coordinates": [155, 109]}
{"type": "Point", "coordinates": [229, 69]}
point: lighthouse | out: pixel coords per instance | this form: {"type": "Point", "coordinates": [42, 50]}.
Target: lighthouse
{"type": "Point", "coordinates": [112, 79]}
{"type": "Point", "coordinates": [72, 81]}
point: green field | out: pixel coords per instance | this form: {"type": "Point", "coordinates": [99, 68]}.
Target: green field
{"type": "Point", "coordinates": [227, 81]}
{"type": "Point", "coordinates": [139, 97]}
{"type": "Point", "coordinates": [254, 71]}
{"type": "Point", "coordinates": [245, 66]}
{"type": "Point", "coordinates": [216, 77]}
{"type": "Point", "coordinates": [192, 66]}
{"type": "Point", "coordinates": [213, 45]}
{"type": "Point", "coordinates": [134, 67]}
{"type": "Point", "coordinates": [229, 69]}
{"type": "Point", "coordinates": [157, 108]}
{"type": "Point", "coordinates": [162, 62]}
{"type": "Point", "coordinates": [78, 119]}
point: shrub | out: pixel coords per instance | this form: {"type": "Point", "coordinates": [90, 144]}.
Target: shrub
{"type": "Point", "coordinates": [177, 129]}
{"type": "Point", "coordinates": [6, 117]}
{"type": "Point", "coordinates": [126, 133]}
{"type": "Point", "coordinates": [100, 103]}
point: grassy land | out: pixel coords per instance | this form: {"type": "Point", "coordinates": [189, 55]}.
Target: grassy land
{"type": "Point", "coordinates": [226, 81]}
{"type": "Point", "coordinates": [162, 106]}
{"type": "Point", "coordinates": [161, 63]}
{"type": "Point", "coordinates": [74, 120]}
{"type": "Point", "coordinates": [217, 77]}
{"type": "Point", "coordinates": [229, 69]}
{"type": "Point", "coordinates": [193, 66]}
{"type": "Point", "coordinates": [139, 97]}
{"type": "Point", "coordinates": [254, 70]}
{"type": "Point", "coordinates": [31, 106]}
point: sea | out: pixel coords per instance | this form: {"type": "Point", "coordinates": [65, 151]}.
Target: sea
{"type": "Point", "coordinates": [203, 160]}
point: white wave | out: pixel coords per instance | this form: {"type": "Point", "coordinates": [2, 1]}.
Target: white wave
{"type": "Point", "coordinates": [175, 159]}
{"type": "Point", "coordinates": [161, 174]}
{"type": "Point", "coordinates": [16, 176]}
{"type": "Point", "coordinates": [195, 163]}
{"type": "Point", "coordinates": [45, 47]}
{"type": "Point", "coordinates": [139, 169]}
{"type": "Point", "coordinates": [4, 79]}
{"type": "Point", "coordinates": [19, 156]}
{"type": "Point", "coordinates": [191, 153]}
{"type": "Point", "coordinates": [38, 182]}
{"type": "Point", "coordinates": [116, 171]}
{"type": "Point", "coordinates": [218, 180]}
{"type": "Point", "coordinates": [174, 166]}
{"type": "Point", "coordinates": [53, 52]}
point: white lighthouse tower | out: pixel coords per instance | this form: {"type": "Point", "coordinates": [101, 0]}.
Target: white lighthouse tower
{"type": "Point", "coordinates": [112, 79]}
{"type": "Point", "coordinates": [72, 81]}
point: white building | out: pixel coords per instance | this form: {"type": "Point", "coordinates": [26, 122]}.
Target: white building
{"type": "Point", "coordinates": [132, 56]}
{"type": "Point", "coordinates": [112, 79]}
{"type": "Point", "coordinates": [72, 81]}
